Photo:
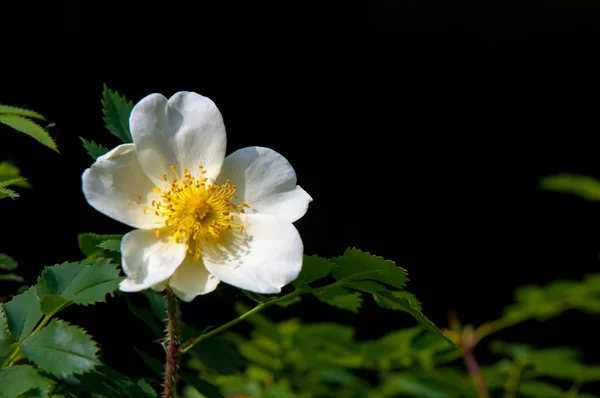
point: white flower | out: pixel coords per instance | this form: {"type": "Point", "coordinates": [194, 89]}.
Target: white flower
{"type": "Point", "coordinates": [201, 218]}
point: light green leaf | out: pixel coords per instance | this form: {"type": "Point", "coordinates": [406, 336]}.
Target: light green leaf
{"type": "Point", "coordinates": [575, 184]}
{"type": "Point", "coordinates": [6, 339]}
{"type": "Point", "coordinates": [113, 245]}
{"type": "Point", "coordinates": [79, 283]}
{"type": "Point", "coordinates": [313, 268]}
{"type": "Point", "coordinates": [12, 181]}
{"type": "Point", "coordinates": [88, 244]}
{"type": "Point", "coordinates": [15, 110]}
{"type": "Point", "coordinates": [93, 149]}
{"type": "Point", "coordinates": [23, 313]}
{"type": "Point", "coordinates": [358, 265]}
{"type": "Point", "coordinates": [116, 109]}
{"type": "Point", "coordinates": [9, 171]}
{"type": "Point", "coordinates": [20, 379]}
{"type": "Point", "coordinates": [8, 193]}
{"type": "Point", "coordinates": [11, 278]}
{"type": "Point", "coordinates": [30, 128]}
{"type": "Point", "coordinates": [7, 262]}
{"type": "Point", "coordinates": [61, 349]}
{"type": "Point", "coordinates": [341, 298]}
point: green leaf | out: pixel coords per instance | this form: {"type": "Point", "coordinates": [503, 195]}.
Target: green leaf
{"type": "Point", "coordinates": [14, 110]}
{"type": "Point", "coordinates": [30, 128]}
{"type": "Point", "coordinates": [289, 301]}
{"type": "Point", "coordinates": [154, 364]}
{"type": "Point", "coordinates": [6, 339]}
{"type": "Point", "coordinates": [20, 379]}
{"type": "Point", "coordinates": [575, 184]}
{"type": "Point", "coordinates": [109, 383]}
{"type": "Point", "coordinates": [7, 262]}
{"type": "Point", "coordinates": [117, 109]}
{"type": "Point", "coordinates": [205, 388]}
{"type": "Point", "coordinates": [12, 181]}
{"type": "Point", "coordinates": [384, 302]}
{"type": "Point", "coordinates": [358, 265]}
{"type": "Point", "coordinates": [61, 349]}
{"type": "Point", "coordinates": [11, 278]}
{"type": "Point", "coordinates": [219, 354]}
{"type": "Point", "coordinates": [88, 244]}
{"type": "Point", "coordinates": [79, 283]}
{"type": "Point", "coordinates": [341, 298]}
{"type": "Point", "coordinates": [146, 315]}
{"type": "Point", "coordinates": [540, 389]}
{"type": "Point", "coordinates": [313, 268]}
{"type": "Point", "coordinates": [113, 245]}
{"type": "Point", "coordinates": [51, 304]}
{"type": "Point", "coordinates": [8, 193]}
{"type": "Point", "coordinates": [9, 171]}
{"type": "Point", "coordinates": [93, 149]}
{"type": "Point", "coordinates": [23, 313]}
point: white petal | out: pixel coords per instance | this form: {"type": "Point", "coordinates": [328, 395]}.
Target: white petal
{"type": "Point", "coordinates": [116, 186]}
{"type": "Point", "coordinates": [192, 279]}
{"type": "Point", "coordinates": [266, 181]}
{"type": "Point", "coordinates": [185, 131]}
{"type": "Point", "coordinates": [148, 260]}
{"type": "Point", "coordinates": [263, 258]}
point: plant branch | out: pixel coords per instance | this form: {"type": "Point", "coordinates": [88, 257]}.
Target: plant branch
{"type": "Point", "coordinates": [475, 373]}
{"type": "Point", "coordinates": [171, 345]}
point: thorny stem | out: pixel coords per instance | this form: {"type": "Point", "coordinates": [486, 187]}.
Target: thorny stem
{"type": "Point", "coordinates": [171, 345]}
{"type": "Point", "coordinates": [475, 373]}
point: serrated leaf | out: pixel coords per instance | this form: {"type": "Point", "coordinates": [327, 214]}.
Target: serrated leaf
{"type": "Point", "coordinates": [575, 184]}
{"type": "Point", "coordinates": [7, 262]}
{"type": "Point", "coordinates": [341, 298]}
{"type": "Point", "coordinates": [11, 278]}
{"type": "Point", "coordinates": [20, 379]}
{"type": "Point", "coordinates": [61, 349]}
{"type": "Point", "coordinates": [79, 283]}
{"type": "Point", "coordinates": [6, 339]}
{"type": "Point", "coordinates": [88, 244]}
{"type": "Point", "coordinates": [384, 302]}
{"type": "Point", "coordinates": [113, 245]}
{"type": "Point", "coordinates": [15, 110]}
{"type": "Point", "coordinates": [51, 304]}
{"type": "Point", "coordinates": [30, 128]}
{"type": "Point", "coordinates": [109, 383]}
{"type": "Point", "coordinates": [93, 149]}
{"type": "Point", "coordinates": [23, 313]}
{"type": "Point", "coordinates": [358, 265]}
{"type": "Point", "coordinates": [313, 268]}
{"type": "Point", "coordinates": [8, 193]}
{"type": "Point", "coordinates": [12, 181]}
{"type": "Point", "coordinates": [9, 171]}
{"type": "Point", "coordinates": [117, 109]}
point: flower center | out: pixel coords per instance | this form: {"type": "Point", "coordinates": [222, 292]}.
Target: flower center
{"type": "Point", "coordinates": [196, 212]}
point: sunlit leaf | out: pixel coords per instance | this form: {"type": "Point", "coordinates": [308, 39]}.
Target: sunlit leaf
{"type": "Point", "coordinates": [9, 171]}
{"type": "Point", "coordinates": [116, 110]}
{"type": "Point", "coordinates": [8, 193]}
{"type": "Point", "coordinates": [30, 128]}
{"type": "Point", "coordinates": [21, 379]}
{"type": "Point", "coordinates": [61, 349]}
{"type": "Point", "coordinates": [23, 313]}
{"type": "Point", "coordinates": [580, 185]}
{"type": "Point", "coordinates": [15, 110]}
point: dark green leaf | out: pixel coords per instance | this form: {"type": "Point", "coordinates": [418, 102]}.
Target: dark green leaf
{"type": "Point", "coordinates": [313, 268]}
{"type": "Point", "coordinates": [88, 244]}
{"type": "Point", "coordinates": [6, 339]}
{"type": "Point", "coordinates": [21, 379]}
{"type": "Point", "coordinates": [384, 301]}
{"type": "Point", "coordinates": [219, 354]}
{"type": "Point", "coordinates": [11, 278]}
{"type": "Point", "coordinates": [51, 304]}
{"type": "Point", "coordinates": [112, 245]}
{"type": "Point", "coordinates": [23, 313]}
{"type": "Point", "coordinates": [109, 383]}
{"type": "Point", "coordinates": [12, 181]}
{"type": "Point", "coordinates": [540, 389]}
{"type": "Point", "coordinates": [154, 364]}
{"type": "Point", "coordinates": [146, 315]}
{"type": "Point", "coordinates": [341, 298]}
{"type": "Point", "coordinates": [61, 349]}
{"type": "Point", "coordinates": [289, 301]}
{"type": "Point", "coordinates": [15, 110]}
{"type": "Point", "coordinates": [79, 283]}
{"type": "Point", "coordinates": [205, 388]}
{"type": "Point", "coordinates": [93, 149]}
{"type": "Point", "coordinates": [358, 265]}
{"type": "Point", "coordinates": [117, 109]}
{"type": "Point", "coordinates": [583, 186]}
{"type": "Point", "coordinates": [30, 128]}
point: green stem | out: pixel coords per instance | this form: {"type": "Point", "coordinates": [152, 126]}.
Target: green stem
{"type": "Point", "coordinates": [514, 378]}
{"type": "Point", "coordinates": [171, 346]}
{"type": "Point", "coordinates": [185, 347]}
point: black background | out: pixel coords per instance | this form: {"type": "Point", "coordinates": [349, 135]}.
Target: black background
{"type": "Point", "coordinates": [420, 129]}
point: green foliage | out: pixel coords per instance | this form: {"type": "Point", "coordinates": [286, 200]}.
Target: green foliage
{"type": "Point", "coordinates": [89, 244]}
{"type": "Point", "coordinates": [356, 265]}
{"type": "Point", "coordinates": [341, 298]}
{"type": "Point", "coordinates": [585, 187]}
{"type": "Point", "coordinates": [113, 245]}
{"type": "Point", "coordinates": [77, 283]}
{"type": "Point", "coordinates": [61, 349]}
{"type": "Point", "coordinates": [9, 264]}
{"type": "Point", "coordinates": [14, 110]}
{"type": "Point", "coordinates": [116, 110]}
{"type": "Point", "coordinates": [93, 149]}
{"type": "Point", "coordinates": [109, 383]}
{"type": "Point", "coordinates": [21, 123]}
{"type": "Point", "coordinates": [23, 380]}
{"type": "Point", "coordinates": [6, 339]}
{"type": "Point", "coordinates": [23, 313]}
{"type": "Point", "coordinates": [10, 176]}
{"type": "Point", "coordinates": [313, 268]}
